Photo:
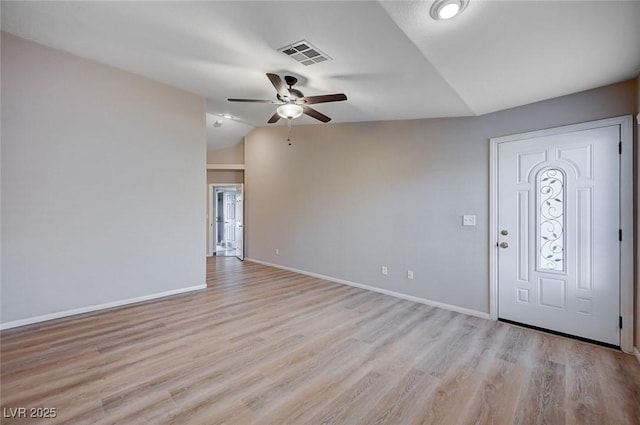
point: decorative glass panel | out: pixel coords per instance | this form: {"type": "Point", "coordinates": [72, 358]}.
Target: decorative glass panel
{"type": "Point", "coordinates": [551, 219]}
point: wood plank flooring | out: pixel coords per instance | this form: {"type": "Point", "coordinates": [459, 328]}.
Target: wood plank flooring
{"type": "Point", "coordinates": [266, 346]}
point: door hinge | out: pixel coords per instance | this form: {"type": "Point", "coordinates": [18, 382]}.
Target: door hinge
{"type": "Point", "coordinates": [620, 148]}
{"type": "Point", "coordinates": [620, 234]}
{"type": "Point", "coordinates": [620, 317]}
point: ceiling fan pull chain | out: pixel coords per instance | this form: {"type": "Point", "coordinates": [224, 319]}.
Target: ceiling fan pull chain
{"type": "Point", "coordinates": [289, 131]}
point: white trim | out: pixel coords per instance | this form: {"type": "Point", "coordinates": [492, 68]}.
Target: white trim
{"type": "Point", "coordinates": [626, 216]}
{"type": "Point", "coordinates": [225, 166]}
{"type": "Point", "coordinates": [457, 309]}
{"type": "Point", "coordinates": [211, 213]}
{"type": "Point", "coordinates": [81, 310]}
{"type": "Point", "coordinates": [627, 244]}
{"type": "Point", "coordinates": [493, 229]}
{"type": "Point", "coordinates": [637, 353]}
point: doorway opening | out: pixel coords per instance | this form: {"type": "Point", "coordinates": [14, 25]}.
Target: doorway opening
{"type": "Point", "coordinates": [226, 220]}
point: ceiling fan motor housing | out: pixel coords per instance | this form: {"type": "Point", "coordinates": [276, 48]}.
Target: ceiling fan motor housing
{"type": "Point", "coordinates": [290, 80]}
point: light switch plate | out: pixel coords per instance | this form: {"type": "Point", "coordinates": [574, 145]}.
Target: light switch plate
{"type": "Point", "coordinates": [468, 220]}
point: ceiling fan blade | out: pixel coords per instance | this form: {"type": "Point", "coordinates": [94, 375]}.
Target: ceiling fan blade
{"type": "Point", "coordinates": [280, 86]}
{"type": "Point", "coordinates": [254, 100]}
{"type": "Point", "coordinates": [274, 118]}
{"type": "Point", "coordinates": [325, 98]}
{"type": "Point", "coordinates": [315, 114]}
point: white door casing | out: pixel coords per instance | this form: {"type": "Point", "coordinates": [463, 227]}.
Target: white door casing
{"type": "Point", "coordinates": [557, 195]}
{"type": "Point", "coordinates": [231, 213]}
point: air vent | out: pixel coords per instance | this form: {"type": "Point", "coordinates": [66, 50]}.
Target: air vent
{"type": "Point", "coordinates": [304, 52]}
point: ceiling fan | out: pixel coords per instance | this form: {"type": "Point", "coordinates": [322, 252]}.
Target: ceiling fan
{"type": "Point", "coordinates": [292, 102]}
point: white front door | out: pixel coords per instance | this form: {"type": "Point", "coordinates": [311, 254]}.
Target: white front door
{"type": "Point", "coordinates": [558, 206]}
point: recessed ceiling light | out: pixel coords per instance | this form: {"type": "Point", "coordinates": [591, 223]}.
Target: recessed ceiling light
{"type": "Point", "coordinates": [227, 116]}
{"type": "Point", "coordinates": [447, 9]}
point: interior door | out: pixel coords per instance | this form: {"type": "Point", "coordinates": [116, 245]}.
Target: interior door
{"type": "Point", "coordinates": [559, 221]}
{"type": "Point", "coordinates": [239, 215]}
{"type": "Point", "coordinates": [230, 219]}
{"type": "Point", "coordinates": [219, 214]}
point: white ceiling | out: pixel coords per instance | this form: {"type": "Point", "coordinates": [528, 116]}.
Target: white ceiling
{"type": "Point", "coordinates": [390, 58]}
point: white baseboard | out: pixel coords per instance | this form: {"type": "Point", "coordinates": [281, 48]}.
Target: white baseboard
{"type": "Point", "coordinates": [451, 307]}
{"type": "Point", "coordinates": [637, 353]}
{"type": "Point", "coordinates": [81, 310]}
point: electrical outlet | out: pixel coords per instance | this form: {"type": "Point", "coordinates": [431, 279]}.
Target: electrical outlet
{"type": "Point", "coordinates": [384, 270]}
{"type": "Point", "coordinates": [277, 251]}
{"type": "Point", "coordinates": [468, 220]}
{"type": "Point", "coordinates": [410, 274]}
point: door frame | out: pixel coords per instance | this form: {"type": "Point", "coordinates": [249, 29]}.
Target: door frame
{"type": "Point", "coordinates": [626, 215]}
{"type": "Point", "coordinates": [211, 231]}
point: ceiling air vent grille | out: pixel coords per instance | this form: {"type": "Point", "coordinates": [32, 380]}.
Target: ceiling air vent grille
{"type": "Point", "coordinates": [304, 52]}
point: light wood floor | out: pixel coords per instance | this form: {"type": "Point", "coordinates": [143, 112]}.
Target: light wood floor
{"type": "Point", "coordinates": [266, 346]}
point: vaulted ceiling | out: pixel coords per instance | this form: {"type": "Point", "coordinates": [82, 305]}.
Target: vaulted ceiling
{"type": "Point", "coordinates": [391, 59]}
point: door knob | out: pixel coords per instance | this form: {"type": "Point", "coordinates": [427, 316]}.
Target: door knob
{"type": "Point", "coordinates": [504, 245]}
{"type": "Point", "coordinates": [504, 232]}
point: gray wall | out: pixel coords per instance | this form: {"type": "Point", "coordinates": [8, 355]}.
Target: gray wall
{"type": "Point", "coordinates": [227, 155]}
{"type": "Point", "coordinates": [225, 176]}
{"type": "Point", "coordinates": [103, 184]}
{"type": "Point", "coordinates": [346, 199]}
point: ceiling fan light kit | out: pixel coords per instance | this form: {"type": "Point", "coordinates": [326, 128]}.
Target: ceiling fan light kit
{"type": "Point", "coordinates": [446, 9]}
{"type": "Point", "coordinates": [289, 111]}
